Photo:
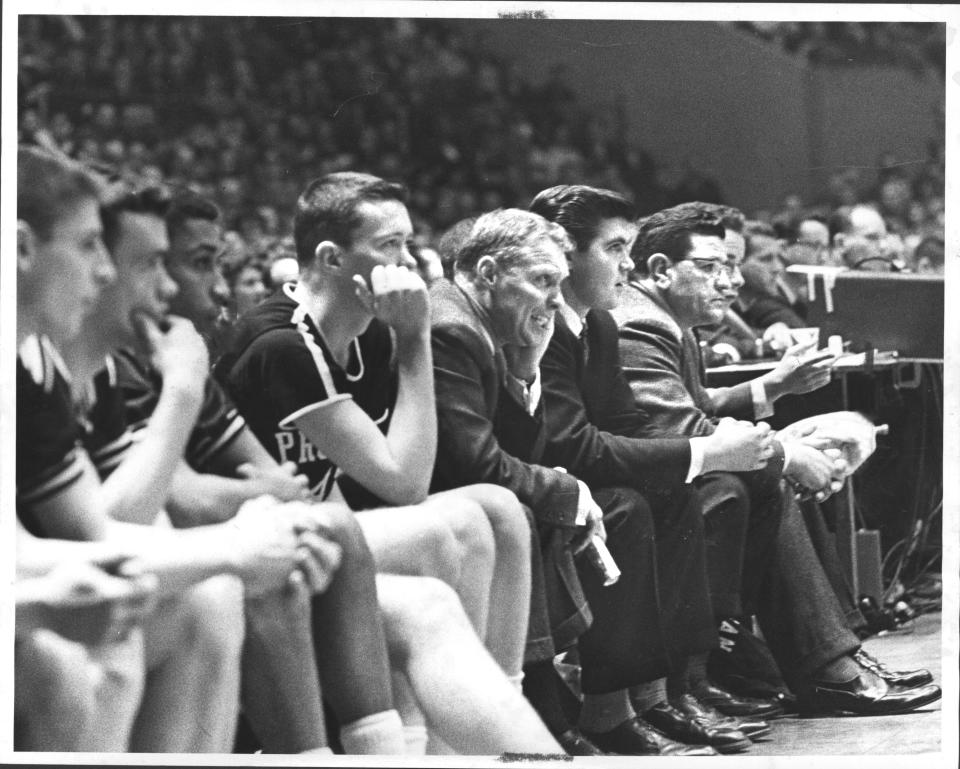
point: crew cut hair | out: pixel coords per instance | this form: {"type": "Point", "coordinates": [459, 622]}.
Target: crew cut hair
{"type": "Point", "coordinates": [668, 232]}
{"type": "Point", "coordinates": [509, 236]}
{"type": "Point", "coordinates": [327, 209]}
{"type": "Point", "coordinates": [48, 186]}
{"type": "Point", "coordinates": [581, 209]}
{"type": "Point", "coordinates": [186, 206]}
{"type": "Point", "coordinates": [125, 198]}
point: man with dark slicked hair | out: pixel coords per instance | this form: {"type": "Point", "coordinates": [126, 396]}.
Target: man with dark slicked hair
{"type": "Point", "coordinates": [685, 278]}
{"type": "Point", "coordinates": [490, 327]}
{"type": "Point", "coordinates": [597, 431]}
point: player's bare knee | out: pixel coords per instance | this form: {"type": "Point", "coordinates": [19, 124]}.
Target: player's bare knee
{"type": "Point", "coordinates": [507, 517]}
{"type": "Point", "coordinates": [435, 608]}
{"type": "Point", "coordinates": [438, 553]}
{"type": "Point", "coordinates": [215, 623]}
{"type": "Point", "coordinates": [342, 527]}
{"type": "Point", "coordinates": [472, 529]}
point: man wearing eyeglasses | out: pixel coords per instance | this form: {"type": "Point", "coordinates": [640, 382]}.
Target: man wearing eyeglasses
{"type": "Point", "coordinates": [686, 279]}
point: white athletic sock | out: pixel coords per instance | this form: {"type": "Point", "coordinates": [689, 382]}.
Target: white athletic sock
{"type": "Point", "coordinates": [415, 738]}
{"type": "Point", "coordinates": [379, 734]}
{"type": "Point", "coordinates": [324, 751]}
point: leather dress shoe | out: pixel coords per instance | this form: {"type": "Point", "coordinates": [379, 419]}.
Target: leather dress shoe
{"type": "Point", "coordinates": [695, 731]}
{"type": "Point", "coordinates": [754, 728]}
{"type": "Point", "coordinates": [575, 744]}
{"type": "Point", "coordinates": [635, 737]}
{"type": "Point", "coordinates": [867, 694]}
{"type": "Point", "coordinates": [732, 705]}
{"type": "Point", "coordinates": [906, 679]}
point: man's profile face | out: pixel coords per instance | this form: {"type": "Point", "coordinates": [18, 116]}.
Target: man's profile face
{"type": "Point", "coordinates": [381, 238]}
{"type": "Point", "coordinates": [143, 286]}
{"type": "Point", "coordinates": [70, 271]}
{"type": "Point", "coordinates": [704, 285]}
{"type": "Point", "coordinates": [735, 245]}
{"type": "Point", "coordinates": [597, 271]}
{"type": "Point", "coordinates": [525, 297]}
{"type": "Point", "coordinates": [193, 263]}
{"type": "Point", "coordinates": [864, 246]}
{"type": "Point", "coordinates": [810, 247]}
{"type": "Point", "coordinates": [765, 265]}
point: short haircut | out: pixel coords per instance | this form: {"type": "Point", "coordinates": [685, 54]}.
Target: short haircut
{"type": "Point", "coordinates": [327, 209]}
{"type": "Point", "coordinates": [731, 218]}
{"type": "Point", "coordinates": [668, 232]}
{"type": "Point", "coordinates": [124, 198]}
{"type": "Point", "coordinates": [48, 186]}
{"type": "Point", "coordinates": [932, 248]}
{"type": "Point", "coordinates": [507, 235]}
{"type": "Point", "coordinates": [234, 269]}
{"type": "Point", "coordinates": [789, 229]}
{"type": "Point", "coordinates": [186, 206]}
{"type": "Point", "coordinates": [753, 227]}
{"type": "Point", "coordinates": [580, 210]}
{"type": "Point", "coordinates": [759, 237]}
{"type": "Point", "coordinates": [840, 221]}
{"type": "Point", "coordinates": [448, 247]}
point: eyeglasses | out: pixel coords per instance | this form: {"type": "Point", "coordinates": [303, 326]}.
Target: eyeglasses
{"type": "Point", "coordinates": [715, 268]}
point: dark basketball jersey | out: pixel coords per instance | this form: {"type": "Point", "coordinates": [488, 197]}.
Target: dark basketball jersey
{"type": "Point", "coordinates": [218, 424]}
{"type": "Point", "coordinates": [279, 368]}
{"type": "Point", "coordinates": [49, 437]}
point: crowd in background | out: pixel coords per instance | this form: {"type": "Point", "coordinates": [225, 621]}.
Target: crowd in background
{"type": "Point", "coordinates": [246, 110]}
{"type": "Point", "coordinates": [917, 46]}
{"type": "Point", "coordinates": [195, 137]}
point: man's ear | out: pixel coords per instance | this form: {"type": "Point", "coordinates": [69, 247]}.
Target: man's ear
{"type": "Point", "coordinates": [657, 266]}
{"type": "Point", "coordinates": [487, 271]}
{"type": "Point", "coordinates": [26, 247]}
{"type": "Point", "coordinates": [327, 254]}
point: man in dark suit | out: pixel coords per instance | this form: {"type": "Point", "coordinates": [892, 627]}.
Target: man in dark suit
{"type": "Point", "coordinates": [686, 279]}
{"type": "Point", "coordinates": [489, 329]}
{"type": "Point", "coordinates": [597, 431]}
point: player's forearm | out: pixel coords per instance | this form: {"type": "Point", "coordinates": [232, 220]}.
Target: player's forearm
{"type": "Point", "coordinates": [413, 427]}
{"type": "Point", "coordinates": [197, 499]}
{"type": "Point", "coordinates": [178, 559]}
{"type": "Point", "coordinates": [138, 489]}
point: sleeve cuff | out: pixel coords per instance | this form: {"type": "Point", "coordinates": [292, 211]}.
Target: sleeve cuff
{"type": "Point", "coordinates": [584, 503]}
{"type": "Point", "coordinates": [761, 405]}
{"type": "Point", "coordinates": [696, 458]}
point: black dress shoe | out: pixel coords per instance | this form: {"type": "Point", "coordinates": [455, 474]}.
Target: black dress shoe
{"type": "Point", "coordinates": [575, 744]}
{"type": "Point", "coordinates": [732, 705]}
{"type": "Point", "coordinates": [635, 737]}
{"type": "Point", "coordinates": [754, 728]}
{"type": "Point", "coordinates": [906, 679]}
{"type": "Point", "coordinates": [866, 694]}
{"type": "Point", "coordinates": [694, 731]}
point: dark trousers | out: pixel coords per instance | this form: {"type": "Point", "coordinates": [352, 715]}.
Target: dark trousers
{"type": "Point", "coordinates": [825, 544]}
{"type": "Point", "coordinates": [558, 608]}
{"type": "Point", "coordinates": [659, 612]}
{"type": "Point", "coordinates": [801, 617]}
{"type": "Point", "coordinates": [740, 525]}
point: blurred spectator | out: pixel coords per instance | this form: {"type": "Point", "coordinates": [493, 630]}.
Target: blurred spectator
{"type": "Point", "coordinates": [247, 287]}
{"type": "Point", "coordinates": [928, 256]}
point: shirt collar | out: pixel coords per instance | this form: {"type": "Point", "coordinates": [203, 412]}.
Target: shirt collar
{"type": "Point", "coordinates": [574, 322]}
